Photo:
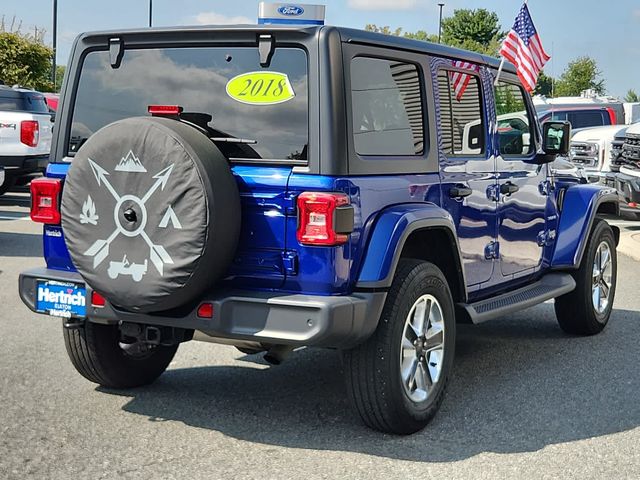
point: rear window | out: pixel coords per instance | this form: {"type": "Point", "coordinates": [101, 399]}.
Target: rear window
{"type": "Point", "coordinates": [580, 118]}
{"type": "Point", "coordinates": [197, 79]}
{"type": "Point", "coordinates": [23, 102]}
{"type": "Point", "coordinates": [592, 118]}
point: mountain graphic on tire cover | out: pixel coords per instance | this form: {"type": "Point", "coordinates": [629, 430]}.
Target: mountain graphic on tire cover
{"type": "Point", "coordinates": [172, 167]}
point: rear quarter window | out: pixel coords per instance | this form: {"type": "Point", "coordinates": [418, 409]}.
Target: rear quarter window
{"type": "Point", "coordinates": [386, 107]}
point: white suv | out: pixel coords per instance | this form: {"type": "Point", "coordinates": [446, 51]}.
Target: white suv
{"type": "Point", "coordinates": [25, 134]}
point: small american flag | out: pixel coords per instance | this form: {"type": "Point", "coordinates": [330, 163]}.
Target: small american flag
{"type": "Point", "coordinates": [460, 80]}
{"type": "Point", "coordinates": [523, 48]}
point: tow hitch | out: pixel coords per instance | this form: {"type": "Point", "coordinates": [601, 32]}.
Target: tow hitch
{"type": "Point", "coordinates": [153, 335]}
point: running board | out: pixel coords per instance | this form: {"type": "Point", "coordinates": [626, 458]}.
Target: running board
{"type": "Point", "coordinates": [548, 287]}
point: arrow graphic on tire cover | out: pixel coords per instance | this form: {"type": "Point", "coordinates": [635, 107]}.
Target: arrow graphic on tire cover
{"type": "Point", "coordinates": [99, 250]}
{"type": "Point", "coordinates": [157, 254]}
{"type": "Point", "coordinates": [161, 180]}
{"type": "Point", "coordinates": [101, 177]}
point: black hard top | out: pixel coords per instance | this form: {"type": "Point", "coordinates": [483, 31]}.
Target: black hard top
{"type": "Point", "coordinates": [350, 35]}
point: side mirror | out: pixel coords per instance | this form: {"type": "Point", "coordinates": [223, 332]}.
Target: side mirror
{"type": "Point", "coordinates": [555, 138]}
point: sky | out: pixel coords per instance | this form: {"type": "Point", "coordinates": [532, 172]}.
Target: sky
{"type": "Point", "coordinates": [607, 31]}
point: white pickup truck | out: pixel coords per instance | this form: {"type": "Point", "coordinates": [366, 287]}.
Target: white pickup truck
{"type": "Point", "coordinates": [25, 134]}
{"type": "Point", "coordinates": [627, 180]}
{"type": "Point", "coordinates": [597, 150]}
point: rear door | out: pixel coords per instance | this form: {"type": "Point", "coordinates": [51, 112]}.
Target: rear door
{"type": "Point", "coordinates": [262, 136]}
{"type": "Point", "coordinates": [467, 167]}
{"type": "Point", "coordinates": [521, 182]}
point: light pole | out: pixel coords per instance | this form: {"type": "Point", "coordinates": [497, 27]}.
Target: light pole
{"type": "Point", "coordinates": [150, 13]}
{"type": "Point", "coordinates": [55, 41]}
{"type": "Point", "coordinates": [440, 23]}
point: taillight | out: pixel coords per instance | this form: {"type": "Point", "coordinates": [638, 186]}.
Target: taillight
{"type": "Point", "coordinates": [97, 300]}
{"type": "Point", "coordinates": [324, 218]}
{"type": "Point", "coordinates": [45, 200]}
{"type": "Point", "coordinates": [205, 310]}
{"type": "Point", "coordinates": [30, 132]}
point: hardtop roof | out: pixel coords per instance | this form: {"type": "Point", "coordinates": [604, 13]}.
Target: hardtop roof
{"type": "Point", "coordinates": [350, 35]}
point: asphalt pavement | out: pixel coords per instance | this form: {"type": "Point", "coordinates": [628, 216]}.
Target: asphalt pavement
{"type": "Point", "coordinates": [526, 401]}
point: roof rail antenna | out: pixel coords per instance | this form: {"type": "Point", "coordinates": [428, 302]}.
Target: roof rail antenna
{"type": "Point", "coordinates": [290, 14]}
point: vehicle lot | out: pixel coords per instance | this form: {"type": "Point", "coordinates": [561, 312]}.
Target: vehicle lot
{"type": "Point", "coordinates": [526, 401]}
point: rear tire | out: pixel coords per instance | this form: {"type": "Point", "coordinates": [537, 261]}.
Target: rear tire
{"type": "Point", "coordinates": [576, 311]}
{"type": "Point", "coordinates": [397, 379]}
{"type": "Point", "coordinates": [97, 355]}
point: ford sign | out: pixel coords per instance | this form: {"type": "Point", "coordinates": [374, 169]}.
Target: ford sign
{"type": "Point", "coordinates": [291, 10]}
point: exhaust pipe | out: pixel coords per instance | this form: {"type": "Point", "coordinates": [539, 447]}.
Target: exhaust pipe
{"type": "Point", "coordinates": [277, 353]}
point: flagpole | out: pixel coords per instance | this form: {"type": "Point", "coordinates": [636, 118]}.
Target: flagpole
{"type": "Point", "coordinates": [495, 83]}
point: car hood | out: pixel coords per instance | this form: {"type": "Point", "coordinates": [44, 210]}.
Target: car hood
{"type": "Point", "coordinates": [599, 133]}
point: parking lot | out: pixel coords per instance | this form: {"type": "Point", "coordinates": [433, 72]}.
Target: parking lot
{"type": "Point", "coordinates": [526, 400]}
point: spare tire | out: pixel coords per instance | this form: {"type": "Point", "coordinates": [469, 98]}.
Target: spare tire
{"type": "Point", "coordinates": [150, 213]}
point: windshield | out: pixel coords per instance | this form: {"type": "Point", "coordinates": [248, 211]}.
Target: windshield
{"type": "Point", "coordinates": [198, 79]}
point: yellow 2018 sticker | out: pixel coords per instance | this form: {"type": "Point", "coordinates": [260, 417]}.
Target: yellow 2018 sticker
{"type": "Point", "coordinates": [261, 88]}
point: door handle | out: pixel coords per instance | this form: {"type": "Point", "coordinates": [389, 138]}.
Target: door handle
{"type": "Point", "coordinates": [508, 188]}
{"type": "Point", "coordinates": [460, 191]}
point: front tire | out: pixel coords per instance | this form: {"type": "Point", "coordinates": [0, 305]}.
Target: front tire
{"type": "Point", "coordinates": [396, 380]}
{"type": "Point", "coordinates": [99, 356]}
{"type": "Point", "coordinates": [586, 310]}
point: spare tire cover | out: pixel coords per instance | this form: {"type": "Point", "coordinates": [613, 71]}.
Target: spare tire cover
{"type": "Point", "coordinates": [150, 213]}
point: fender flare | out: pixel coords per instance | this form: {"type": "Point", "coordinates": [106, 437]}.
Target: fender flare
{"type": "Point", "coordinates": [579, 209]}
{"type": "Point", "coordinates": [390, 231]}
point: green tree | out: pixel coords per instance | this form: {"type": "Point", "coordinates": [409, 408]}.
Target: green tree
{"type": "Point", "coordinates": [422, 35]}
{"type": "Point", "coordinates": [419, 35]}
{"type": "Point", "coordinates": [632, 96]}
{"type": "Point", "coordinates": [370, 27]}
{"type": "Point", "coordinates": [544, 85]}
{"type": "Point", "coordinates": [581, 74]}
{"type": "Point", "coordinates": [60, 69]}
{"type": "Point", "coordinates": [25, 60]}
{"type": "Point", "coordinates": [476, 30]}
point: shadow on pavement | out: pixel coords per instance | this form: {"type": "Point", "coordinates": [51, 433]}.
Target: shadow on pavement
{"type": "Point", "coordinates": [519, 385]}
{"type": "Point", "coordinates": [20, 244]}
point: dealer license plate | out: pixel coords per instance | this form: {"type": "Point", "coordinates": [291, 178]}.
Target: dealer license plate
{"type": "Point", "coordinates": [61, 299]}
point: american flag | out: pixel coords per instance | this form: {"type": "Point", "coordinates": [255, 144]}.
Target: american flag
{"type": "Point", "coordinates": [460, 80]}
{"type": "Point", "coordinates": [523, 48]}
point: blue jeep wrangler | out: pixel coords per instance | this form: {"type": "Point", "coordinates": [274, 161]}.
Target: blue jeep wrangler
{"type": "Point", "coordinates": [271, 187]}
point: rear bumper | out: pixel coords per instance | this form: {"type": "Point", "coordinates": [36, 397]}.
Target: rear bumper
{"type": "Point", "coordinates": [23, 164]}
{"type": "Point", "coordinates": [266, 317]}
